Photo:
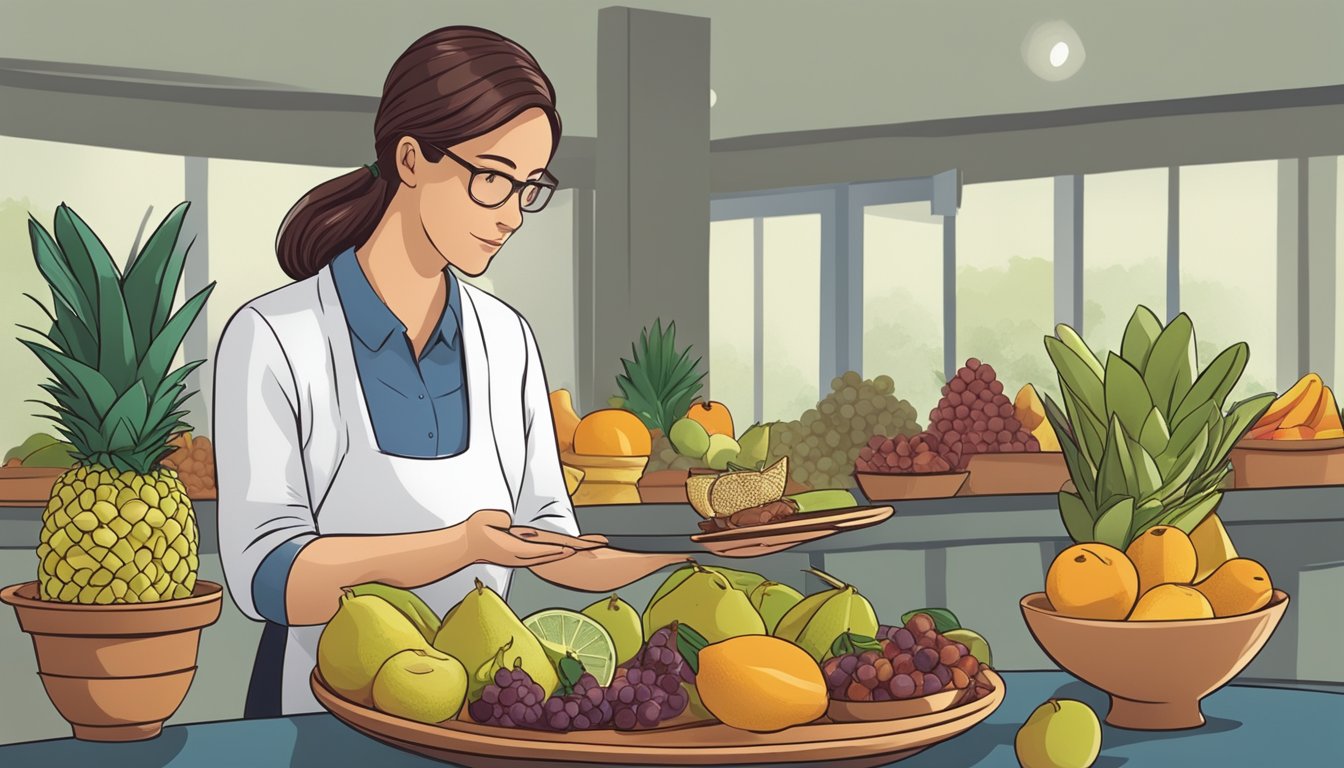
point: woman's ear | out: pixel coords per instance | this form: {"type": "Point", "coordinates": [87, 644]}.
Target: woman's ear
{"type": "Point", "coordinates": [408, 160]}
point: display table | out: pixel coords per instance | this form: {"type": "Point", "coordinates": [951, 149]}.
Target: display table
{"type": "Point", "coordinates": [1247, 726]}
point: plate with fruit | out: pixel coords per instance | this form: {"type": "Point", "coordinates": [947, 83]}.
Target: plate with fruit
{"type": "Point", "coordinates": [721, 667]}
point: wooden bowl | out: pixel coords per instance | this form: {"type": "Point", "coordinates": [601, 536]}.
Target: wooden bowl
{"type": "Point", "coordinates": [27, 486]}
{"type": "Point", "coordinates": [1010, 474]}
{"type": "Point", "coordinates": [1156, 672]}
{"type": "Point", "coordinates": [1287, 463]}
{"type": "Point", "coordinates": [878, 486]}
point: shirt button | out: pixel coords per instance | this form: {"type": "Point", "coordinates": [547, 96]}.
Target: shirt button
{"type": "Point", "coordinates": [431, 434]}
{"type": "Point", "coordinates": [422, 397]}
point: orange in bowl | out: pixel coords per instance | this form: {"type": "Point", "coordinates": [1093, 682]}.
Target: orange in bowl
{"type": "Point", "coordinates": [612, 432]}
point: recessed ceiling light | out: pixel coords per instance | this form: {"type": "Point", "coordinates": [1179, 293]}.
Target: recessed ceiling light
{"type": "Point", "coordinates": [1053, 51]}
{"type": "Point", "coordinates": [713, 97]}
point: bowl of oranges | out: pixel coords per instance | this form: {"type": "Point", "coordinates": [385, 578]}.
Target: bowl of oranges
{"type": "Point", "coordinates": [1159, 625]}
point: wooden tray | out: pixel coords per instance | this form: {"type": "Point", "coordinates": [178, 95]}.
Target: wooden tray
{"type": "Point", "coordinates": [880, 486]}
{"type": "Point", "coordinates": [834, 520]}
{"type": "Point", "coordinates": [27, 486]}
{"type": "Point", "coordinates": [1287, 463]}
{"type": "Point", "coordinates": [1013, 474]}
{"type": "Point", "coordinates": [854, 745]}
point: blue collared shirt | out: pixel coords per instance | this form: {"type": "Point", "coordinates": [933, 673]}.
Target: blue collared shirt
{"type": "Point", "coordinates": [418, 407]}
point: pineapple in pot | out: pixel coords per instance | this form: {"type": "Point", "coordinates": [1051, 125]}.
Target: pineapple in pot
{"type": "Point", "coordinates": [119, 527]}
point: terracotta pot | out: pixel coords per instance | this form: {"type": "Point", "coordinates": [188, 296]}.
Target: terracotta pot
{"type": "Point", "coordinates": [116, 672]}
{"type": "Point", "coordinates": [663, 487]}
{"type": "Point", "coordinates": [1009, 474]}
{"type": "Point", "coordinates": [1156, 672]}
{"type": "Point", "coordinates": [27, 486]}
{"type": "Point", "coordinates": [879, 486]}
{"type": "Point", "coordinates": [1288, 463]}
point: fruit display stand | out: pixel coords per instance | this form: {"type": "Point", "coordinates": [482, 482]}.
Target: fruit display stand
{"type": "Point", "coordinates": [1288, 463]}
{"type": "Point", "coordinates": [27, 486]}
{"type": "Point", "coordinates": [1013, 474]}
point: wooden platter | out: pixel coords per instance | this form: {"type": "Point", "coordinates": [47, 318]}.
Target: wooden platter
{"type": "Point", "coordinates": [854, 745]}
{"type": "Point", "coordinates": [795, 530]}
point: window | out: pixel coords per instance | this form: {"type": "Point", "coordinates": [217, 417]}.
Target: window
{"type": "Point", "coordinates": [903, 301]}
{"type": "Point", "coordinates": [792, 315]}
{"type": "Point", "coordinates": [1229, 240]}
{"type": "Point", "coordinates": [1338, 382]}
{"type": "Point", "coordinates": [1005, 280]}
{"type": "Point", "coordinates": [1124, 252]}
{"type": "Point", "coordinates": [110, 189]}
{"type": "Point", "coordinates": [732, 317]}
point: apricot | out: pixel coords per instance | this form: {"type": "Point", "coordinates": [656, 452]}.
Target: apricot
{"type": "Point", "coordinates": [1163, 555]}
{"type": "Point", "coordinates": [612, 432]}
{"type": "Point", "coordinates": [1092, 581]}
{"type": "Point", "coordinates": [1171, 602]}
{"type": "Point", "coordinates": [1238, 586]}
{"type": "Point", "coordinates": [760, 683]}
{"type": "Point", "coordinates": [713, 416]}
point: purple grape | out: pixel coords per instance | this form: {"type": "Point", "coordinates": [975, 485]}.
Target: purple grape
{"type": "Point", "coordinates": [582, 723]}
{"type": "Point", "coordinates": [518, 712]}
{"type": "Point", "coordinates": [593, 696]}
{"type": "Point", "coordinates": [625, 719]}
{"type": "Point", "coordinates": [559, 721]}
{"type": "Point", "coordinates": [505, 721]}
{"type": "Point", "coordinates": [836, 677]}
{"type": "Point", "coordinates": [848, 662]}
{"type": "Point", "coordinates": [643, 693]}
{"type": "Point", "coordinates": [648, 676]}
{"type": "Point", "coordinates": [648, 713]}
{"type": "Point", "coordinates": [932, 684]}
{"type": "Point", "coordinates": [508, 696]}
{"type": "Point", "coordinates": [669, 683]}
{"type": "Point", "coordinates": [881, 694]}
{"type": "Point", "coordinates": [904, 639]}
{"type": "Point", "coordinates": [572, 708]}
{"type": "Point", "coordinates": [503, 678]}
{"type": "Point", "coordinates": [902, 686]}
{"type": "Point", "coordinates": [480, 710]}
{"type": "Point", "coordinates": [866, 676]}
{"type": "Point", "coordinates": [626, 695]}
{"type": "Point", "coordinates": [490, 695]}
{"type": "Point", "coordinates": [943, 674]}
{"type": "Point", "coordinates": [926, 659]}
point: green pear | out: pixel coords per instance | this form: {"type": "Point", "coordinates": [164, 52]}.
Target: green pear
{"type": "Point", "coordinates": [420, 685]}
{"type": "Point", "coordinates": [772, 601]}
{"type": "Point", "coordinates": [622, 622]}
{"type": "Point", "coordinates": [689, 438]}
{"type": "Point", "coordinates": [1061, 733]}
{"type": "Point", "coordinates": [707, 602]}
{"type": "Point", "coordinates": [480, 625]}
{"type": "Point", "coordinates": [723, 450]}
{"type": "Point", "coordinates": [415, 609]}
{"type": "Point", "coordinates": [755, 444]}
{"type": "Point", "coordinates": [742, 581]}
{"type": "Point", "coordinates": [365, 632]}
{"type": "Point", "coordinates": [815, 622]}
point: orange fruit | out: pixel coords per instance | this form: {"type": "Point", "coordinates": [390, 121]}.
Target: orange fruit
{"type": "Point", "coordinates": [760, 683]}
{"type": "Point", "coordinates": [1092, 581]}
{"type": "Point", "coordinates": [612, 432]}
{"type": "Point", "coordinates": [713, 416]}
{"type": "Point", "coordinates": [1162, 554]}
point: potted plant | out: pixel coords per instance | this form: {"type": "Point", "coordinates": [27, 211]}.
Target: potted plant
{"type": "Point", "coordinates": [1146, 439]}
{"type": "Point", "coordinates": [116, 610]}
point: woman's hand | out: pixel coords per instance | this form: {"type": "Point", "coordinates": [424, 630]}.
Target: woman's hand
{"type": "Point", "coordinates": [492, 539]}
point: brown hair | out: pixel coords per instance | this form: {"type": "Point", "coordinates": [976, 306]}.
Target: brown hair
{"type": "Point", "coordinates": [451, 85]}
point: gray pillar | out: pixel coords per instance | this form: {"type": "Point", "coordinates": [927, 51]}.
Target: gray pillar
{"type": "Point", "coordinates": [1322, 191]}
{"type": "Point", "coordinates": [195, 276]}
{"type": "Point", "coordinates": [588, 395]}
{"type": "Point", "coordinates": [1173, 242]}
{"type": "Point", "coordinates": [1291, 272]}
{"type": "Point", "coordinates": [1069, 251]}
{"type": "Point", "coordinates": [652, 217]}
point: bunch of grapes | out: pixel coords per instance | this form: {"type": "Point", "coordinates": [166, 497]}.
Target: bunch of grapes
{"type": "Point", "coordinates": [647, 690]}
{"type": "Point", "coordinates": [976, 417]}
{"type": "Point", "coordinates": [924, 452]}
{"type": "Point", "coordinates": [511, 700]}
{"type": "Point", "coordinates": [666, 457]}
{"type": "Point", "coordinates": [915, 661]}
{"type": "Point", "coordinates": [824, 443]}
{"type": "Point", "coordinates": [585, 709]}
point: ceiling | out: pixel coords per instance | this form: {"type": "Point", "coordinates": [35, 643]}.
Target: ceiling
{"type": "Point", "coordinates": [777, 65]}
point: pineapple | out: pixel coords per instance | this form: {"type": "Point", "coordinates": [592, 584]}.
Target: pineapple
{"type": "Point", "coordinates": [659, 385]}
{"type": "Point", "coordinates": [119, 527]}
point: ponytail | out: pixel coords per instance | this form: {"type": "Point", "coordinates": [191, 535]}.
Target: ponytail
{"type": "Point", "coordinates": [334, 216]}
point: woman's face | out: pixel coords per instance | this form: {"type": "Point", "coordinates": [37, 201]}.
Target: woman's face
{"type": "Point", "coordinates": [466, 233]}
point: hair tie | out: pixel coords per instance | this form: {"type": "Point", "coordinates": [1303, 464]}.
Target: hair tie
{"type": "Point", "coordinates": [373, 168]}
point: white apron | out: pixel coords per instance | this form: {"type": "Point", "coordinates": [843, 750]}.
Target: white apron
{"type": "Point", "coordinates": [375, 493]}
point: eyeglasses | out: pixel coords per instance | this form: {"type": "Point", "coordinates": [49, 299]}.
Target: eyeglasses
{"type": "Point", "coordinates": [491, 188]}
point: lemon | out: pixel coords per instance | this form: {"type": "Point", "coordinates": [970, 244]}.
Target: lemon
{"type": "Point", "coordinates": [567, 632]}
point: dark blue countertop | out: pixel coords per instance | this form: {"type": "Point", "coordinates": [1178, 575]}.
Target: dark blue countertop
{"type": "Point", "coordinates": [1247, 726]}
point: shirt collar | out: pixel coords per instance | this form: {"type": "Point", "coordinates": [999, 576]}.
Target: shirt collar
{"type": "Point", "coordinates": [370, 319]}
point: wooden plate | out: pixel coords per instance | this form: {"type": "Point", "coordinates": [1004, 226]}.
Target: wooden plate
{"type": "Point", "coordinates": [763, 545]}
{"type": "Point", "coordinates": [855, 745]}
{"type": "Point", "coordinates": [834, 521]}
{"type": "Point", "coordinates": [880, 486]}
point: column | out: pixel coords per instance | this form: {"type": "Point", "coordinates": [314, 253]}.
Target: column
{"type": "Point", "coordinates": [1291, 333]}
{"type": "Point", "coordinates": [195, 276]}
{"type": "Point", "coordinates": [651, 231]}
{"type": "Point", "coordinates": [1069, 251]}
{"type": "Point", "coordinates": [1322, 190]}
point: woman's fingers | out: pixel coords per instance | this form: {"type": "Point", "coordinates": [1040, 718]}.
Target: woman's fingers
{"type": "Point", "coordinates": [537, 535]}
{"type": "Point", "coordinates": [595, 537]}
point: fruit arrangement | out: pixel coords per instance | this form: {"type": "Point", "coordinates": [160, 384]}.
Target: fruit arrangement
{"type": "Point", "coordinates": [1146, 441]}
{"type": "Point", "coordinates": [1306, 412]}
{"type": "Point", "coordinates": [824, 443]}
{"type": "Point", "coordinates": [41, 451]}
{"type": "Point", "coordinates": [660, 384]}
{"type": "Point", "coordinates": [712, 644]}
{"type": "Point", "coordinates": [1030, 411]}
{"type": "Point", "coordinates": [194, 461]}
{"type": "Point", "coordinates": [922, 453]}
{"type": "Point", "coordinates": [745, 498]}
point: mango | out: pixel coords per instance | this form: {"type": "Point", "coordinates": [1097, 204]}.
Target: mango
{"type": "Point", "coordinates": [1238, 586]}
{"type": "Point", "coordinates": [1162, 554]}
{"type": "Point", "coordinates": [760, 683]}
{"type": "Point", "coordinates": [1213, 546]}
{"type": "Point", "coordinates": [1171, 602]}
{"type": "Point", "coordinates": [1092, 581]}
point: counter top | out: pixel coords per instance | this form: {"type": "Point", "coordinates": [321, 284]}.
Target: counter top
{"type": "Point", "coordinates": [1247, 726]}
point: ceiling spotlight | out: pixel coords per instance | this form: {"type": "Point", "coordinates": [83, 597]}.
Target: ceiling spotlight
{"type": "Point", "coordinates": [1053, 50]}
{"type": "Point", "coordinates": [713, 97]}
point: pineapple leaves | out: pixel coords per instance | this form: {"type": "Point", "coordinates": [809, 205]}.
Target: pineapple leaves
{"type": "Point", "coordinates": [1126, 395]}
{"type": "Point", "coordinates": [161, 351]}
{"type": "Point", "coordinates": [1216, 382]}
{"type": "Point", "coordinates": [129, 412]}
{"type": "Point", "coordinates": [659, 385]}
{"type": "Point", "coordinates": [116, 346]}
{"type": "Point", "coordinates": [1140, 336]}
{"type": "Point", "coordinates": [145, 273]}
{"type": "Point", "coordinates": [1154, 435]}
{"type": "Point", "coordinates": [65, 289]}
{"type": "Point", "coordinates": [1077, 518]}
{"type": "Point", "coordinates": [1115, 523]}
{"type": "Point", "coordinates": [91, 383]}
{"type": "Point", "coordinates": [1171, 366]}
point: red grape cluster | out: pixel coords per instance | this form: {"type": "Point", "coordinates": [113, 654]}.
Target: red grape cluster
{"type": "Point", "coordinates": [511, 700]}
{"type": "Point", "coordinates": [915, 661]}
{"type": "Point", "coordinates": [922, 453]}
{"type": "Point", "coordinates": [647, 690]}
{"type": "Point", "coordinates": [975, 416]}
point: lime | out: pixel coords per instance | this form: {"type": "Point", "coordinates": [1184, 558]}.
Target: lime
{"type": "Point", "coordinates": [567, 632]}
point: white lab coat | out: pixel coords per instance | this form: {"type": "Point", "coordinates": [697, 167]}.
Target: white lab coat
{"type": "Point", "coordinates": [297, 458]}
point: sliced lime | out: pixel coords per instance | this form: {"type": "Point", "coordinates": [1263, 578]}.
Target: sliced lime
{"type": "Point", "coordinates": [561, 631]}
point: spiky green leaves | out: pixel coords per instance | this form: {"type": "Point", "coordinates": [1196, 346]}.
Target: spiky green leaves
{"type": "Point", "coordinates": [112, 340]}
{"type": "Point", "coordinates": [1145, 436]}
{"type": "Point", "coordinates": [659, 384]}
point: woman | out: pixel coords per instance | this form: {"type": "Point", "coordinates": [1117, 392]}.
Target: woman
{"type": "Point", "coordinates": [378, 419]}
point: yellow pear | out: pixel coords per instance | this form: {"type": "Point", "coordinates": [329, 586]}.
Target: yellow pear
{"type": "Point", "coordinates": [1171, 602]}
{"type": "Point", "coordinates": [1162, 554]}
{"type": "Point", "coordinates": [365, 632]}
{"type": "Point", "coordinates": [1213, 546]}
{"type": "Point", "coordinates": [1238, 586]}
{"type": "Point", "coordinates": [1092, 581]}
